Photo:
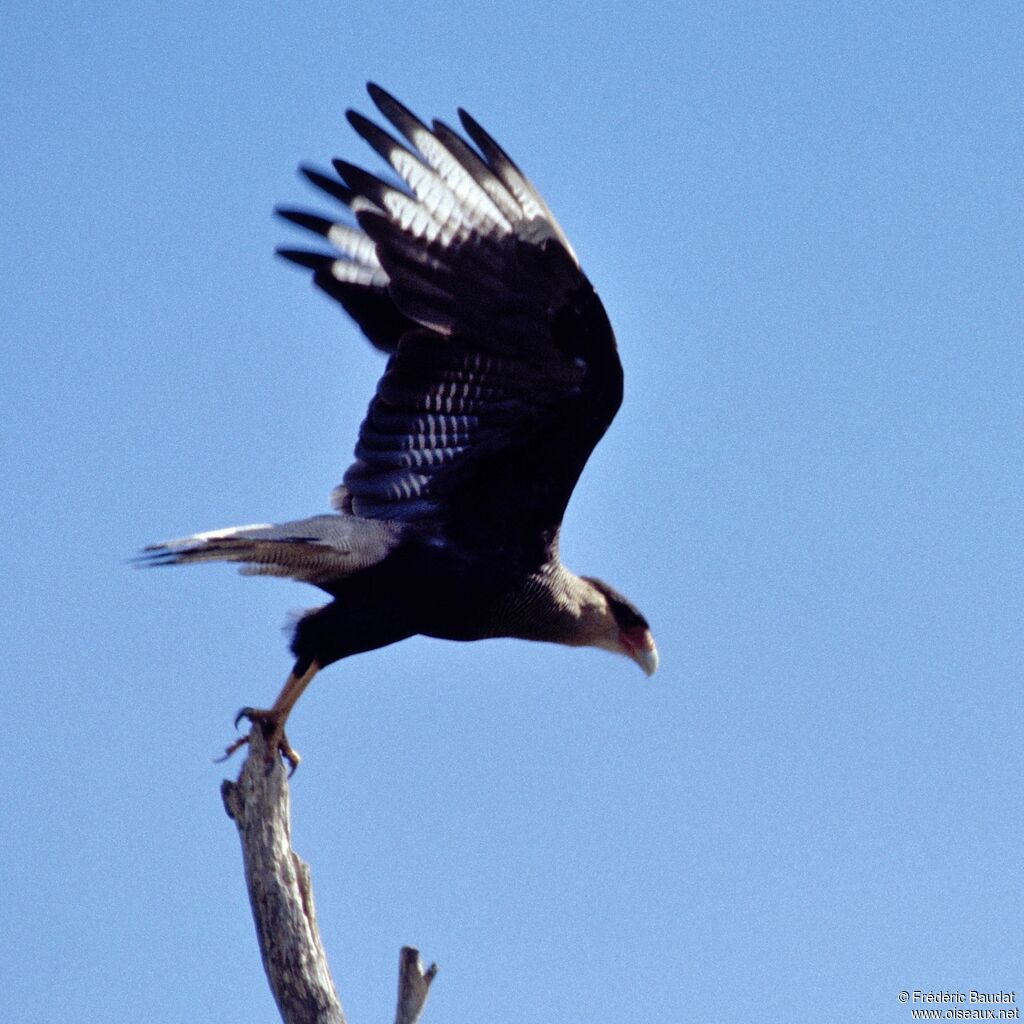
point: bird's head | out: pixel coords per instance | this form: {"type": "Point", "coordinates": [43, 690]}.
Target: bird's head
{"type": "Point", "coordinates": [620, 628]}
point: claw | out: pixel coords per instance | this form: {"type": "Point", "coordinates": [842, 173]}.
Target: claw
{"type": "Point", "coordinates": [272, 721]}
{"type": "Point", "coordinates": [230, 749]}
{"type": "Point", "coordinates": [284, 748]}
{"type": "Point", "coordinates": [273, 730]}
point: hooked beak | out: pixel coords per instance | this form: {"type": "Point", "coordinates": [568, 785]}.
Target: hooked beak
{"type": "Point", "coordinates": [639, 645]}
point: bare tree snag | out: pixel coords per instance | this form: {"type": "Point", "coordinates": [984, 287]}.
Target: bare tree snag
{"type": "Point", "coordinates": [281, 896]}
{"type": "Point", "coordinates": [279, 891]}
{"type": "Point", "coordinates": [413, 984]}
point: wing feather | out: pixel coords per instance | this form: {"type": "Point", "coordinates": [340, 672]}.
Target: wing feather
{"type": "Point", "coordinates": [503, 372]}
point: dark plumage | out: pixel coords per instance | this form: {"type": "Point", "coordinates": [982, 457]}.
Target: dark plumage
{"type": "Point", "coordinates": [502, 376]}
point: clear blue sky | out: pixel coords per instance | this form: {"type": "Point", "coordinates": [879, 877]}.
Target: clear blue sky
{"type": "Point", "coordinates": [805, 221]}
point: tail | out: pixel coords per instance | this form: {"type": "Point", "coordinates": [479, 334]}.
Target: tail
{"type": "Point", "coordinates": [319, 550]}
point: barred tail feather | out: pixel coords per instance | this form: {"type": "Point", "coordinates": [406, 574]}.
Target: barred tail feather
{"type": "Point", "coordinates": [319, 550]}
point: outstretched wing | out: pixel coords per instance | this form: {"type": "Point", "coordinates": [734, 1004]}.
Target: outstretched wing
{"type": "Point", "coordinates": [504, 372]}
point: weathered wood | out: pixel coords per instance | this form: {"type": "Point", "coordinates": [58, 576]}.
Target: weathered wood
{"type": "Point", "coordinates": [281, 897]}
{"type": "Point", "coordinates": [413, 985]}
{"type": "Point", "coordinates": [279, 891]}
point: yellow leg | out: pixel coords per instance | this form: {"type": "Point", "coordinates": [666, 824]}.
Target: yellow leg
{"type": "Point", "coordinates": [272, 719]}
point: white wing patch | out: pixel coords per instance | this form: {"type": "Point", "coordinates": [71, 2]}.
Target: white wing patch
{"type": "Point", "coordinates": [350, 272]}
{"type": "Point", "coordinates": [452, 192]}
{"type": "Point", "coordinates": [353, 243]}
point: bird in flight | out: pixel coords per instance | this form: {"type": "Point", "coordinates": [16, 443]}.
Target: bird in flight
{"type": "Point", "coordinates": [502, 376]}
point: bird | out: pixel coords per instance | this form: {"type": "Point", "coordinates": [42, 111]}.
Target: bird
{"type": "Point", "coordinates": [502, 375]}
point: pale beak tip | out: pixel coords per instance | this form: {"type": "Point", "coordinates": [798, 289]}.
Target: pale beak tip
{"type": "Point", "coordinates": [647, 659]}
{"type": "Point", "coordinates": [648, 662]}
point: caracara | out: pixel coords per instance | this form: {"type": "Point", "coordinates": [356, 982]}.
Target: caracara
{"type": "Point", "coordinates": [502, 375]}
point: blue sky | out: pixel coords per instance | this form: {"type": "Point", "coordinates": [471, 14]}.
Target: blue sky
{"type": "Point", "coordinates": [805, 222]}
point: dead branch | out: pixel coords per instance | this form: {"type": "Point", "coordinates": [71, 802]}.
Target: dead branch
{"type": "Point", "coordinates": [281, 896]}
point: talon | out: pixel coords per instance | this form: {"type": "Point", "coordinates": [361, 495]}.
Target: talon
{"type": "Point", "coordinates": [272, 720]}
{"type": "Point", "coordinates": [243, 713]}
{"type": "Point", "coordinates": [231, 748]}
{"type": "Point", "coordinates": [271, 723]}
{"type": "Point", "coordinates": [284, 748]}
